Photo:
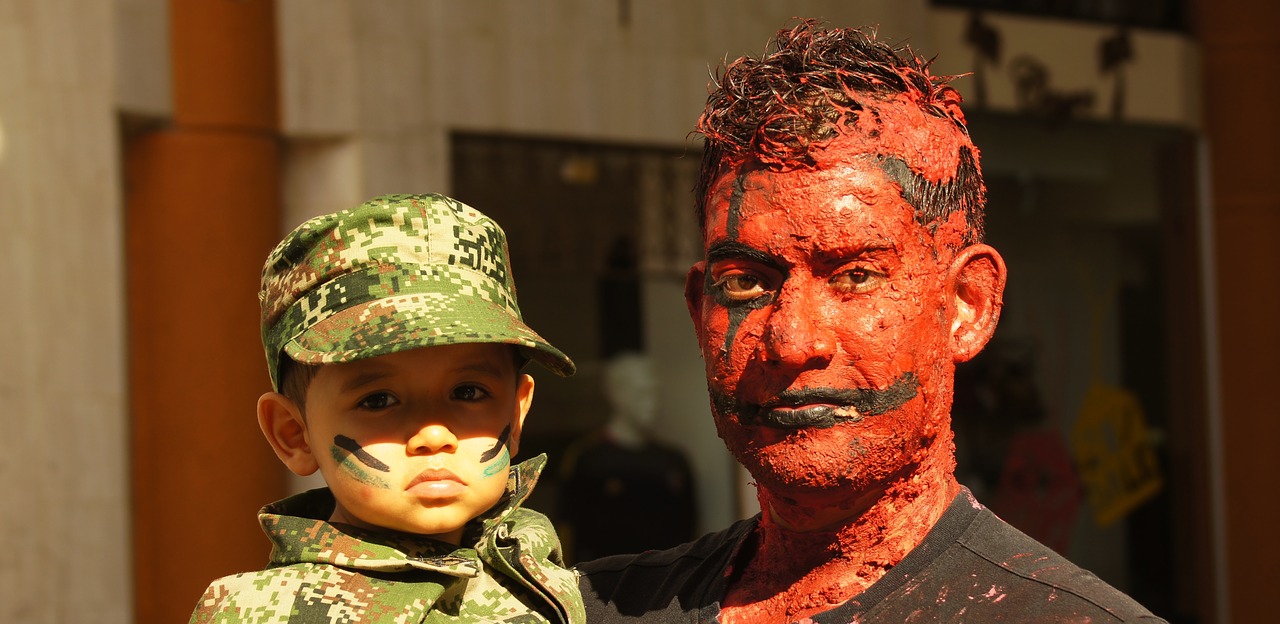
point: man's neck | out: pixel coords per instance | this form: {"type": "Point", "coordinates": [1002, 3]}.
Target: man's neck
{"type": "Point", "coordinates": [810, 558]}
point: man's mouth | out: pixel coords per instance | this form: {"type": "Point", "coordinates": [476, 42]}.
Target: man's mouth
{"type": "Point", "coordinates": [821, 408]}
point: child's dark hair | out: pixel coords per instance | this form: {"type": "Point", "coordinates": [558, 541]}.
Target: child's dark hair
{"type": "Point", "coordinates": [295, 378]}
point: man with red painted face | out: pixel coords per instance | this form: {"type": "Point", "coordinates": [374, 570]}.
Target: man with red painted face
{"type": "Point", "coordinates": [844, 277]}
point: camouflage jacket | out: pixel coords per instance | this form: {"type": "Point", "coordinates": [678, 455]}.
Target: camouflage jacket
{"type": "Point", "coordinates": [322, 574]}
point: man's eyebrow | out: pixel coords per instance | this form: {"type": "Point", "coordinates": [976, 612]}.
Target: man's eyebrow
{"type": "Point", "coordinates": [851, 251]}
{"type": "Point", "coordinates": [725, 250]}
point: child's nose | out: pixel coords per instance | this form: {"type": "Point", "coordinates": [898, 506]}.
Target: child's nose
{"type": "Point", "coordinates": [433, 438]}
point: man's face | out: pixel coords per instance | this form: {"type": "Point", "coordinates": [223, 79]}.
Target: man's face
{"type": "Point", "coordinates": [824, 312]}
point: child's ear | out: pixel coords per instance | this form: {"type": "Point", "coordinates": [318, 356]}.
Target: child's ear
{"type": "Point", "coordinates": [282, 423]}
{"type": "Point", "coordinates": [524, 400]}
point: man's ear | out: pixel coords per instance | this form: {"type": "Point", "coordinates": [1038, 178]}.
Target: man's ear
{"type": "Point", "coordinates": [524, 400]}
{"type": "Point", "coordinates": [693, 290]}
{"type": "Point", "coordinates": [282, 423]}
{"type": "Point", "coordinates": [976, 277]}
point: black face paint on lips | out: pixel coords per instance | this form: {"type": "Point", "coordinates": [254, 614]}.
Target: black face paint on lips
{"type": "Point", "coordinates": [830, 406]}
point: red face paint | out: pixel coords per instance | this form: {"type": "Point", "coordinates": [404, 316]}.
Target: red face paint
{"type": "Point", "coordinates": [824, 318]}
{"type": "Point", "coordinates": [823, 328]}
{"type": "Point", "coordinates": [825, 313]}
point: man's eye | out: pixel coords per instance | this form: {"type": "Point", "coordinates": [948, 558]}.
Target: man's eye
{"type": "Point", "coordinates": [378, 401]}
{"type": "Point", "coordinates": [857, 280]}
{"type": "Point", "coordinates": [470, 393]}
{"type": "Point", "coordinates": [740, 286]}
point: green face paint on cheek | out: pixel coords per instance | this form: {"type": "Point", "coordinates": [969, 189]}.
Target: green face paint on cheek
{"type": "Point", "coordinates": [499, 447]}
{"type": "Point", "coordinates": [347, 463]}
{"type": "Point", "coordinates": [496, 467]}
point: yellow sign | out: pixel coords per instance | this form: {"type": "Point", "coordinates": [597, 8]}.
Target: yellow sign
{"type": "Point", "coordinates": [1114, 453]}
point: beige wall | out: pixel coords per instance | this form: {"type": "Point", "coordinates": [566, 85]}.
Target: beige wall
{"type": "Point", "coordinates": [1161, 79]}
{"type": "Point", "coordinates": [371, 90]}
{"type": "Point", "coordinates": [63, 524]}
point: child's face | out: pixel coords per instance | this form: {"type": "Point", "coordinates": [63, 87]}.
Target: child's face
{"type": "Point", "coordinates": [418, 441]}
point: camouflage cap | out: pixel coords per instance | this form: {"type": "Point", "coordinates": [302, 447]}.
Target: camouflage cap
{"type": "Point", "coordinates": [398, 272]}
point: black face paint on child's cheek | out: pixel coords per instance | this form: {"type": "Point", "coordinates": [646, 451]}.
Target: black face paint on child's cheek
{"type": "Point", "coordinates": [359, 453]}
{"type": "Point", "coordinates": [498, 446]}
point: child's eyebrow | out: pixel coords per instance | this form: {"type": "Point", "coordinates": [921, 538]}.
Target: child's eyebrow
{"type": "Point", "coordinates": [364, 378]}
{"type": "Point", "coordinates": [480, 366]}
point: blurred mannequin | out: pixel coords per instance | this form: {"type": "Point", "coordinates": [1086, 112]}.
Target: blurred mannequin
{"type": "Point", "coordinates": [629, 386]}
{"type": "Point", "coordinates": [625, 492]}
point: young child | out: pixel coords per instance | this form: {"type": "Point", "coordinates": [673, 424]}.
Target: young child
{"type": "Point", "coordinates": [395, 349]}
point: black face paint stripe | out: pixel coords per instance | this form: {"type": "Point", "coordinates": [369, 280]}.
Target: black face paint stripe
{"type": "Point", "coordinates": [359, 453]}
{"type": "Point", "coordinates": [868, 401]}
{"type": "Point", "coordinates": [736, 316]}
{"type": "Point", "coordinates": [935, 201]}
{"type": "Point", "coordinates": [730, 247]}
{"type": "Point", "coordinates": [497, 447]}
{"type": "Point", "coordinates": [735, 207]}
{"type": "Point", "coordinates": [738, 311]}
{"type": "Point", "coordinates": [865, 401]}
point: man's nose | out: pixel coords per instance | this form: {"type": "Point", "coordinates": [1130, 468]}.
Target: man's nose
{"type": "Point", "coordinates": [796, 335]}
{"type": "Point", "coordinates": [432, 438]}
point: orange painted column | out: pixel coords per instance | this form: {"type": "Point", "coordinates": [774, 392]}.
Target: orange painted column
{"type": "Point", "coordinates": [202, 211]}
{"type": "Point", "coordinates": [1241, 48]}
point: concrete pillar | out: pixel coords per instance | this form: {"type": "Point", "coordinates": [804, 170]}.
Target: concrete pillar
{"type": "Point", "coordinates": [1241, 53]}
{"type": "Point", "coordinates": [202, 211]}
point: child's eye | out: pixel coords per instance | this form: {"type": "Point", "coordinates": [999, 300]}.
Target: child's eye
{"type": "Point", "coordinates": [470, 392]}
{"type": "Point", "coordinates": [378, 401]}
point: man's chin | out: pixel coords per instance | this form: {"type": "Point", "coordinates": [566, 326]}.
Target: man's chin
{"type": "Point", "coordinates": [800, 460]}
{"type": "Point", "coordinates": [846, 458]}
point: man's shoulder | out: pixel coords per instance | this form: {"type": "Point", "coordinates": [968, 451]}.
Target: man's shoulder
{"type": "Point", "coordinates": [1037, 565]}
{"type": "Point", "coordinates": [998, 569]}
{"type": "Point", "coordinates": [661, 585]}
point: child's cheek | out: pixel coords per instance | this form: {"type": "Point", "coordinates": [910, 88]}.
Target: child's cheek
{"type": "Point", "coordinates": [496, 459]}
{"type": "Point", "coordinates": [499, 465]}
{"type": "Point", "coordinates": [354, 461]}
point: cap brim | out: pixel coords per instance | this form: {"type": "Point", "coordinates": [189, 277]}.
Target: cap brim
{"type": "Point", "coordinates": [419, 320]}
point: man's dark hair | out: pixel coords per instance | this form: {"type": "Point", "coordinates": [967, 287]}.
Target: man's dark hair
{"type": "Point", "coordinates": [809, 85]}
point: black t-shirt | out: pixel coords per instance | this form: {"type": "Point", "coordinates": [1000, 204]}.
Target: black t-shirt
{"type": "Point", "coordinates": [971, 567]}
